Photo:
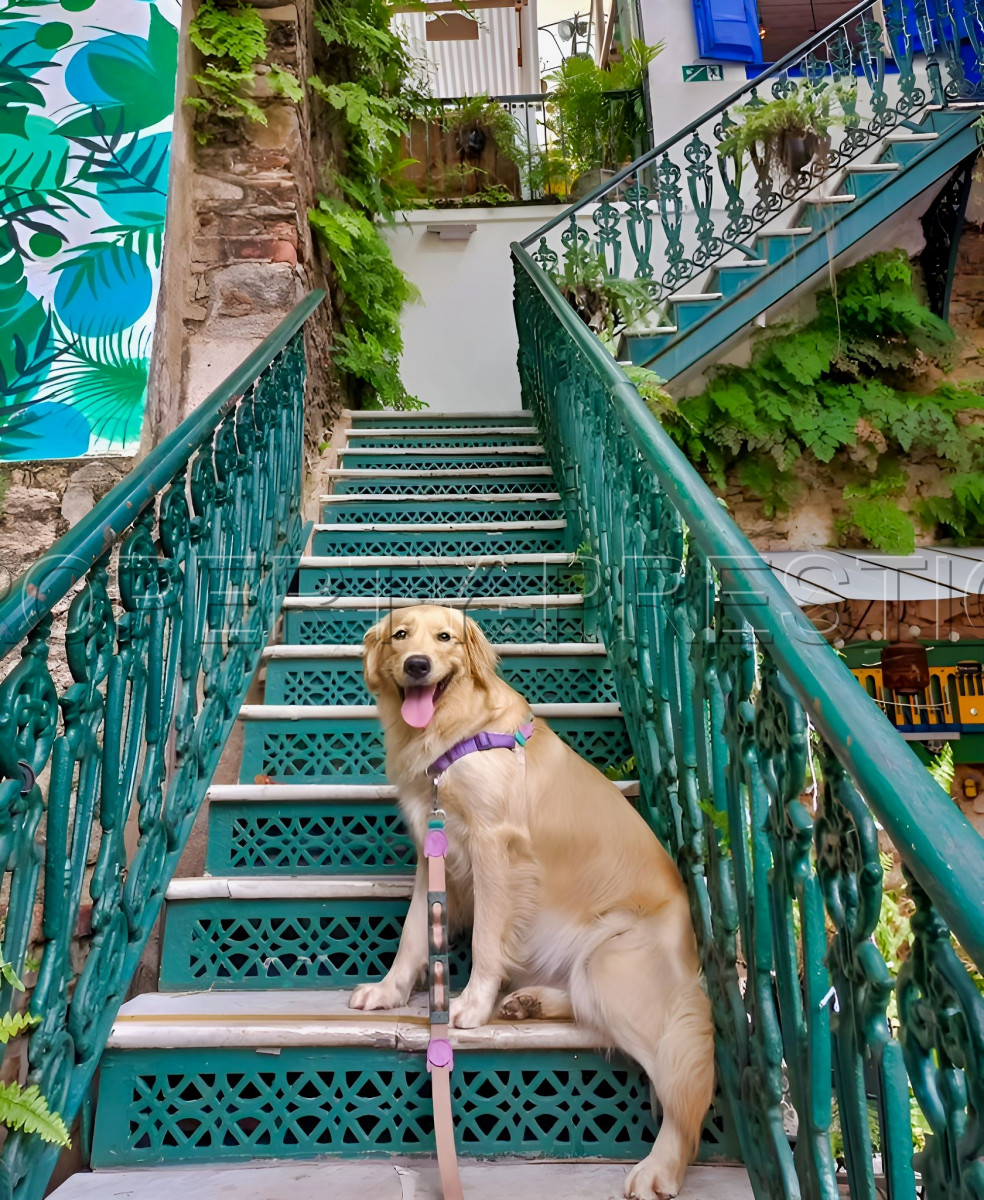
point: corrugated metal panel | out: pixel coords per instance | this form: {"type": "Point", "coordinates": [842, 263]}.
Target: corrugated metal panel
{"type": "Point", "coordinates": [832, 576]}
{"type": "Point", "coordinates": [470, 68]}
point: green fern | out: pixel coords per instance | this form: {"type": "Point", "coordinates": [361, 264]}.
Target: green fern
{"type": "Point", "coordinates": [880, 523]}
{"type": "Point", "coordinates": [13, 1024]}
{"type": "Point", "coordinates": [237, 33]}
{"type": "Point", "coordinates": [26, 1109]}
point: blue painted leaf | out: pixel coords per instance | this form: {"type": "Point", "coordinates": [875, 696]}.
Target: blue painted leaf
{"type": "Point", "coordinates": [131, 182]}
{"type": "Point", "coordinates": [104, 289]}
{"type": "Point", "coordinates": [127, 81]}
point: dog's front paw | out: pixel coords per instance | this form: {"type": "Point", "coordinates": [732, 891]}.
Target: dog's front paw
{"type": "Point", "coordinates": [652, 1180]}
{"type": "Point", "coordinates": [377, 995]}
{"type": "Point", "coordinates": [468, 1012]}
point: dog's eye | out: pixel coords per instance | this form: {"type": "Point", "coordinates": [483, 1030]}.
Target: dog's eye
{"type": "Point", "coordinates": [444, 637]}
{"type": "Point", "coordinates": [399, 635]}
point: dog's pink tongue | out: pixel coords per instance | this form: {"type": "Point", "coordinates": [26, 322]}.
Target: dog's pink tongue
{"type": "Point", "coordinates": [418, 705]}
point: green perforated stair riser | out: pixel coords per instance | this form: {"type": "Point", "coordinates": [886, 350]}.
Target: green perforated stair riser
{"type": "Point", "coordinates": [183, 1106]}
{"type": "Point", "coordinates": [425, 510]}
{"type": "Point", "coordinates": [451, 439]}
{"type": "Point", "coordinates": [546, 679]}
{"type": "Point", "coordinates": [355, 540]}
{"type": "Point", "coordinates": [572, 623]}
{"type": "Point", "coordinates": [436, 460]}
{"type": "Point", "coordinates": [441, 420]}
{"type": "Point", "coordinates": [321, 751]}
{"type": "Point", "coordinates": [307, 838]}
{"type": "Point", "coordinates": [444, 581]}
{"type": "Point", "coordinates": [297, 943]}
{"type": "Point", "coordinates": [477, 485]}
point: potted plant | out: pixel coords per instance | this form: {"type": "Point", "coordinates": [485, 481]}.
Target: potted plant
{"type": "Point", "coordinates": [782, 136]}
{"type": "Point", "coordinates": [598, 115]}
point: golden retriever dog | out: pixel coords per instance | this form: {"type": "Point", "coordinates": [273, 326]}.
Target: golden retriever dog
{"type": "Point", "coordinates": [569, 894]}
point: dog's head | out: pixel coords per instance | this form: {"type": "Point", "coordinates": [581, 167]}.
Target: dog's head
{"type": "Point", "coordinates": [422, 655]}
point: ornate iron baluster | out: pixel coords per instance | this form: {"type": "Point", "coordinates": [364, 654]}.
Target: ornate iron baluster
{"type": "Point", "coordinates": [180, 570]}
{"type": "Point", "coordinates": [639, 227]}
{"type": "Point", "coordinates": [717, 716]}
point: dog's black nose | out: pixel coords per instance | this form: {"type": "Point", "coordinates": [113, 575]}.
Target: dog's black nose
{"type": "Point", "coordinates": [417, 666]}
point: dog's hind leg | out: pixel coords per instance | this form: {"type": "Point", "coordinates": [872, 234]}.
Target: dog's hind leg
{"type": "Point", "coordinates": [641, 987]}
{"type": "Point", "coordinates": [536, 1003]}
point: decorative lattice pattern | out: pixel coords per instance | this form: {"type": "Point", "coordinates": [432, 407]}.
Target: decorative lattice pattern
{"type": "Point", "coordinates": [496, 485]}
{"type": "Point", "coordinates": [283, 751]}
{"type": "Point", "coordinates": [440, 583]}
{"type": "Point", "coordinates": [569, 680]}
{"type": "Point", "coordinates": [431, 513]}
{"type": "Point", "coordinates": [511, 625]}
{"type": "Point", "coordinates": [295, 943]}
{"type": "Point", "coordinates": [363, 541]}
{"type": "Point", "coordinates": [304, 839]}
{"type": "Point", "coordinates": [411, 443]}
{"type": "Point", "coordinates": [436, 461]}
{"type": "Point", "coordinates": [346, 1102]}
{"type": "Point", "coordinates": [314, 750]}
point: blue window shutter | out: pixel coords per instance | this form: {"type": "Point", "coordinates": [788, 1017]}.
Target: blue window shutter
{"type": "Point", "coordinates": [728, 29]}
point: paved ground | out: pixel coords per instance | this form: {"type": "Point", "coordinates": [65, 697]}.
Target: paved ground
{"type": "Point", "coordinates": [388, 1181]}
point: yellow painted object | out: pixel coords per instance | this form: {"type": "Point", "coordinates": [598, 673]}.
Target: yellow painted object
{"type": "Point", "coordinates": [954, 700]}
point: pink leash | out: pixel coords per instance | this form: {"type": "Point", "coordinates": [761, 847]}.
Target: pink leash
{"type": "Point", "coordinates": [440, 1056]}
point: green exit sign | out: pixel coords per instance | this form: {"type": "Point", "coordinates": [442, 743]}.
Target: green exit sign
{"type": "Point", "coordinates": [704, 73]}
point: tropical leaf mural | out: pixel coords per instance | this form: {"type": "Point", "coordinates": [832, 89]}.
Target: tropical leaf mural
{"type": "Point", "coordinates": [86, 106]}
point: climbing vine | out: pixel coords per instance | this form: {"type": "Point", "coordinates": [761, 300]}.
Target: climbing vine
{"type": "Point", "coordinates": [366, 80]}
{"type": "Point", "coordinates": [849, 389]}
{"type": "Point", "coordinates": [233, 41]}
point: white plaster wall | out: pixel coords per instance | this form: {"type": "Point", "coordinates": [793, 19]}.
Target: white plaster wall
{"type": "Point", "coordinates": [460, 339]}
{"type": "Point", "coordinates": [675, 103]}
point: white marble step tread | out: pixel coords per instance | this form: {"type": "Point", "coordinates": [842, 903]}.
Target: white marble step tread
{"type": "Point", "coordinates": [503, 650]}
{"type": "Point", "coordinates": [471, 527]}
{"type": "Point", "coordinates": [392, 1179]}
{"type": "Point", "coordinates": [465, 452]}
{"type": "Point", "coordinates": [349, 712]}
{"type": "Point", "coordinates": [444, 431]}
{"type": "Point", "coordinates": [383, 604]}
{"type": "Point", "coordinates": [443, 498]}
{"type": "Point", "coordinates": [429, 414]}
{"type": "Point", "coordinates": [268, 1019]}
{"type": "Point", "coordinates": [319, 793]}
{"type": "Point", "coordinates": [547, 558]}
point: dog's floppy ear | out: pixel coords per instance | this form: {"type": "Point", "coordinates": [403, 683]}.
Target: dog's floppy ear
{"type": "Point", "coordinates": [481, 656]}
{"type": "Point", "coordinates": [373, 644]}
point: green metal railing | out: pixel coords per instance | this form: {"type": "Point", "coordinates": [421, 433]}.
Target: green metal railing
{"type": "Point", "coordinates": [139, 632]}
{"type": "Point", "coordinates": [684, 207]}
{"type": "Point", "coordinates": [764, 767]}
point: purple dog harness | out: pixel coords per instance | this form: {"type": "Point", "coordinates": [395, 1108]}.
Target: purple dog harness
{"type": "Point", "coordinates": [481, 741]}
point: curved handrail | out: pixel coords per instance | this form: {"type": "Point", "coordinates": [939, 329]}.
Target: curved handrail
{"type": "Point", "coordinates": [936, 842]}
{"type": "Point", "coordinates": [626, 172]}
{"type": "Point", "coordinates": [48, 580]}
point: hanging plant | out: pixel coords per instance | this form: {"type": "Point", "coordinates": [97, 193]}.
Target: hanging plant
{"type": "Point", "coordinates": [783, 136]}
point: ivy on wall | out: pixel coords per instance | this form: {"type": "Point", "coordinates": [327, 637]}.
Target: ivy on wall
{"type": "Point", "coordinates": [365, 80]}
{"type": "Point", "coordinates": [85, 131]}
{"type": "Point", "coordinates": [856, 388]}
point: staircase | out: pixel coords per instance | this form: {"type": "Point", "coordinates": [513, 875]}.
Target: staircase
{"type": "Point", "coordinates": [907, 167]}
{"type": "Point", "coordinates": [249, 1052]}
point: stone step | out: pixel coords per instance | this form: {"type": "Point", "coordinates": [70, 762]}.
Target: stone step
{"type": "Point", "coordinates": [476, 537]}
{"type": "Point", "coordinates": [225, 1076]}
{"type": "Point", "coordinates": [561, 617]}
{"type": "Point", "coordinates": [312, 829]}
{"type": "Point", "coordinates": [423, 578]}
{"type": "Point", "coordinates": [471, 458]}
{"type": "Point", "coordinates": [459, 506]}
{"type": "Point", "coordinates": [544, 674]}
{"type": "Point", "coordinates": [391, 1179]}
{"type": "Point", "coordinates": [430, 437]}
{"type": "Point", "coordinates": [344, 743]}
{"type": "Point", "coordinates": [379, 481]}
{"type": "Point", "coordinates": [382, 419]}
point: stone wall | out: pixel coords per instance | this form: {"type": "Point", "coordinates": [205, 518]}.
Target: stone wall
{"type": "Point", "coordinates": [239, 252]}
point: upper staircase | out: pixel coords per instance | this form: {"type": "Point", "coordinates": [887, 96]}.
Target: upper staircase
{"type": "Point", "coordinates": [248, 1050]}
